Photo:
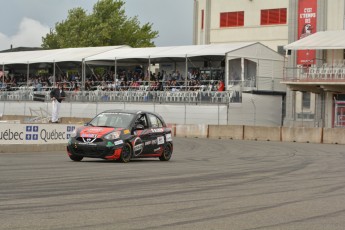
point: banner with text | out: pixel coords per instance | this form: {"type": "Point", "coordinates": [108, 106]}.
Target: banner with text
{"type": "Point", "coordinates": [306, 26]}
{"type": "Point", "coordinates": [35, 133]}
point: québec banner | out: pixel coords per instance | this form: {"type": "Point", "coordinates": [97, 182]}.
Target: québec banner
{"type": "Point", "coordinates": [35, 133]}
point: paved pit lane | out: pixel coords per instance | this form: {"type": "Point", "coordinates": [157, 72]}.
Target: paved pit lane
{"type": "Point", "coordinates": [208, 184]}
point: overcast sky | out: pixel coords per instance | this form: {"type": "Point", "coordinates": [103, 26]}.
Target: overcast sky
{"type": "Point", "coordinates": [25, 22]}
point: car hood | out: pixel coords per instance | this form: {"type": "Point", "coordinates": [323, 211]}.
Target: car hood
{"type": "Point", "coordinates": [96, 131]}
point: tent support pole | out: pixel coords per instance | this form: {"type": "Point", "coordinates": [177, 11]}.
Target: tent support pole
{"type": "Point", "coordinates": [115, 71]}
{"type": "Point", "coordinates": [83, 74]}
{"type": "Point", "coordinates": [242, 72]}
{"type": "Point", "coordinates": [186, 78]}
{"type": "Point", "coordinates": [3, 74]}
{"type": "Point", "coordinates": [27, 75]}
{"type": "Point", "coordinates": [226, 77]}
{"type": "Point", "coordinates": [149, 69]}
{"type": "Point", "coordinates": [54, 77]}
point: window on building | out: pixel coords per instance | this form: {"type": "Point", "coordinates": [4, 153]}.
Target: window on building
{"type": "Point", "coordinates": [273, 16]}
{"type": "Point", "coordinates": [202, 19]}
{"type": "Point", "coordinates": [306, 100]}
{"type": "Point", "coordinates": [232, 19]}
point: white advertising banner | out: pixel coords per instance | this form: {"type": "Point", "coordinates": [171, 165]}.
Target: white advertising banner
{"type": "Point", "coordinates": [35, 133]}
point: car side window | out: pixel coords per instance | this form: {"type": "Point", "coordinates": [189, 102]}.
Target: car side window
{"type": "Point", "coordinates": [142, 121]}
{"type": "Point", "coordinates": [155, 121]}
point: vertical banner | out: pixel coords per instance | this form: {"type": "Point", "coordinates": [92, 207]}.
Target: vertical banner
{"type": "Point", "coordinates": [306, 26]}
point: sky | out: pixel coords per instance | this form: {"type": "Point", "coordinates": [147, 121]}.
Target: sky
{"type": "Point", "coordinates": [23, 23]}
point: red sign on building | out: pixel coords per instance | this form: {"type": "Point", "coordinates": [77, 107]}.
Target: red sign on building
{"type": "Point", "coordinates": [306, 26]}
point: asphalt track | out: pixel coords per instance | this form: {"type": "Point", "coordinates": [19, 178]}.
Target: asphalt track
{"type": "Point", "coordinates": [208, 184]}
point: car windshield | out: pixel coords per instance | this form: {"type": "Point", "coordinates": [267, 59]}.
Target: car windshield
{"type": "Point", "coordinates": [117, 120]}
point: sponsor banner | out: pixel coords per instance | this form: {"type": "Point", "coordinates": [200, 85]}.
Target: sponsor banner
{"type": "Point", "coordinates": [306, 26]}
{"type": "Point", "coordinates": [35, 133]}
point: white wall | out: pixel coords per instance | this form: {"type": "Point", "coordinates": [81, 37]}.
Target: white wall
{"type": "Point", "coordinates": [267, 110]}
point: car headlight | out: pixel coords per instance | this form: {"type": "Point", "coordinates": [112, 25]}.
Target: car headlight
{"type": "Point", "coordinates": [74, 133]}
{"type": "Point", "coordinates": [112, 135]}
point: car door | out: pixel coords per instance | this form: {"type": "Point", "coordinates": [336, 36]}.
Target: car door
{"type": "Point", "coordinates": [157, 136]}
{"type": "Point", "coordinates": [143, 142]}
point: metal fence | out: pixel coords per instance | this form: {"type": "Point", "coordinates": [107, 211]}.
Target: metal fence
{"type": "Point", "coordinates": [257, 110]}
{"type": "Point", "coordinates": [203, 97]}
{"type": "Point", "coordinates": [177, 113]}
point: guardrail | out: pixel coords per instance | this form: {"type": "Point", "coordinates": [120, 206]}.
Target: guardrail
{"type": "Point", "coordinates": [129, 96]}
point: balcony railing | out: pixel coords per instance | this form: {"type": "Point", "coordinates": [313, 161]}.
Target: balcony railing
{"type": "Point", "coordinates": [324, 73]}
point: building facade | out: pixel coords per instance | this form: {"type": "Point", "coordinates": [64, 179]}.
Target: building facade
{"type": "Point", "coordinates": [225, 21]}
{"type": "Point", "coordinates": [315, 94]}
{"type": "Point", "coordinates": [314, 79]}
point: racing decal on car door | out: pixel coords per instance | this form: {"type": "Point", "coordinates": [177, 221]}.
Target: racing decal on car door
{"type": "Point", "coordinates": [160, 140]}
{"type": "Point", "coordinates": [138, 146]}
{"type": "Point", "coordinates": [160, 130]}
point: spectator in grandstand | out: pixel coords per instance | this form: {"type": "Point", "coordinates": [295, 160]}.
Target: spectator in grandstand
{"type": "Point", "coordinates": [38, 86]}
{"type": "Point", "coordinates": [221, 86]}
{"type": "Point", "coordinates": [76, 88]}
{"type": "Point", "coordinates": [159, 86]}
{"type": "Point", "coordinates": [169, 78]}
{"type": "Point", "coordinates": [87, 85]}
{"type": "Point", "coordinates": [176, 75]}
{"type": "Point", "coordinates": [123, 86]}
{"type": "Point", "coordinates": [57, 95]}
{"type": "Point", "coordinates": [104, 86]}
{"type": "Point", "coordinates": [173, 86]}
{"type": "Point", "coordinates": [134, 85]}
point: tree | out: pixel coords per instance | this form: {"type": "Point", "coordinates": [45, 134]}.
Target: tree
{"type": "Point", "coordinates": [106, 26]}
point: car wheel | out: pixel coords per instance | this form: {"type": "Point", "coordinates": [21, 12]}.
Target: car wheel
{"type": "Point", "coordinates": [126, 153]}
{"type": "Point", "coordinates": [166, 155]}
{"type": "Point", "coordinates": [75, 158]}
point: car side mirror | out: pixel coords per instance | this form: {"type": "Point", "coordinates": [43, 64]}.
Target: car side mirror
{"type": "Point", "coordinates": [86, 124]}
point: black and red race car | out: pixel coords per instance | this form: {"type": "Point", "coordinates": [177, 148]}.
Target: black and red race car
{"type": "Point", "coordinates": [122, 135]}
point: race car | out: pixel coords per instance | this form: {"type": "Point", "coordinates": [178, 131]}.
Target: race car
{"type": "Point", "coordinates": [122, 135]}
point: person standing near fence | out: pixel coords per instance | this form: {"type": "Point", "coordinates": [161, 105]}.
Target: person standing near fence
{"type": "Point", "coordinates": [57, 95]}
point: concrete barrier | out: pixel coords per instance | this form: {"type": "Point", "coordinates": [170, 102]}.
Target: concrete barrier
{"type": "Point", "coordinates": [334, 135]}
{"type": "Point", "coordinates": [234, 132]}
{"type": "Point", "coordinates": [13, 148]}
{"type": "Point", "coordinates": [301, 134]}
{"type": "Point", "coordinates": [173, 129]}
{"type": "Point", "coordinates": [16, 137]}
{"type": "Point", "coordinates": [199, 131]}
{"type": "Point", "coordinates": [262, 133]}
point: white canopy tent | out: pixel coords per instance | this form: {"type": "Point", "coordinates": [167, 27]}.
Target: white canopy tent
{"type": "Point", "coordinates": [224, 52]}
{"type": "Point", "coordinates": [170, 51]}
{"type": "Point", "coordinates": [322, 40]}
{"type": "Point", "coordinates": [54, 56]}
{"type": "Point", "coordinates": [254, 50]}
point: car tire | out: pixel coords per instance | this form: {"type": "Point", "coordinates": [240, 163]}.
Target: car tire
{"type": "Point", "coordinates": [166, 155]}
{"type": "Point", "coordinates": [126, 153]}
{"type": "Point", "coordinates": [75, 158]}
